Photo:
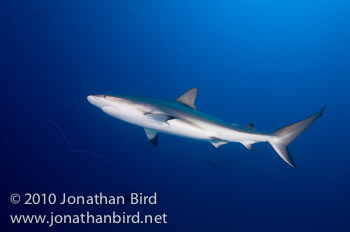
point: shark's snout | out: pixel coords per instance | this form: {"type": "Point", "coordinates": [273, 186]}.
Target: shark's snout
{"type": "Point", "coordinates": [96, 100]}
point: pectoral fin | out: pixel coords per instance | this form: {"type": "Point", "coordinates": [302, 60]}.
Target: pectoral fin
{"type": "Point", "coordinates": [160, 118]}
{"type": "Point", "coordinates": [152, 136]}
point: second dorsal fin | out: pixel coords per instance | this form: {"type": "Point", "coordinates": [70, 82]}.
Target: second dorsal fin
{"type": "Point", "coordinates": [188, 98]}
{"type": "Point", "coordinates": [251, 126]}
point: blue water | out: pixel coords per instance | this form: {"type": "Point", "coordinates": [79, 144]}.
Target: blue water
{"type": "Point", "coordinates": [265, 62]}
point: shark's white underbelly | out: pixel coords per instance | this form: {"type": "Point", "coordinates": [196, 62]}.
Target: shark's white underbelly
{"type": "Point", "coordinates": [174, 126]}
{"type": "Point", "coordinates": [201, 130]}
{"type": "Point", "coordinates": [186, 129]}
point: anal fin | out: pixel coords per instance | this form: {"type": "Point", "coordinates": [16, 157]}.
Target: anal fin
{"type": "Point", "coordinates": [248, 145]}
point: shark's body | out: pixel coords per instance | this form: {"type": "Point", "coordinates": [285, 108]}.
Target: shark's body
{"type": "Point", "coordinates": [181, 118]}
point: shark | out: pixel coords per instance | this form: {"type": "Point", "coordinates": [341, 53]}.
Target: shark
{"type": "Point", "coordinates": [180, 117]}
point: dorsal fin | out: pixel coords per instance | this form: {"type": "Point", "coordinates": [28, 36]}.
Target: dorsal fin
{"type": "Point", "coordinates": [188, 98]}
{"type": "Point", "coordinates": [251, 126]}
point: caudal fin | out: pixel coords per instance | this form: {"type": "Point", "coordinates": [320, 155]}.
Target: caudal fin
{"type": "Point", "coordinates": [286, 135]}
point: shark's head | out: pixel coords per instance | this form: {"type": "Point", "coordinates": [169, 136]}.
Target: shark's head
{"type": "Point", "coordinates": [101, 101]}
{"type": "Point", "coordinates": [122, 107]}
{"type": "Point", "coordinates": [97, 100]}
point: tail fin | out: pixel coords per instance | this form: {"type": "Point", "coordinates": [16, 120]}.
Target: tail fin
{"type": "Point", "coordinates": [286, 135]}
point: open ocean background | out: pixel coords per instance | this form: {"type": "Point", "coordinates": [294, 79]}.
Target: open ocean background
{"type": "Point", "coordinates": [265, 62]}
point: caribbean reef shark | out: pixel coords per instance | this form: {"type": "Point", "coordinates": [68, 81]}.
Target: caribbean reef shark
{"type": "Point", "coordinates": [181, 118]}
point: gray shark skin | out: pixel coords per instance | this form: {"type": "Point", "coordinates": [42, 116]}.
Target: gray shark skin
{"type": "Point", "coordinates": [181, 118]}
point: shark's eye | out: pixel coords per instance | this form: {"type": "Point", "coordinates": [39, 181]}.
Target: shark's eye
{"type": "Point", "coordinates": [100, 95]}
